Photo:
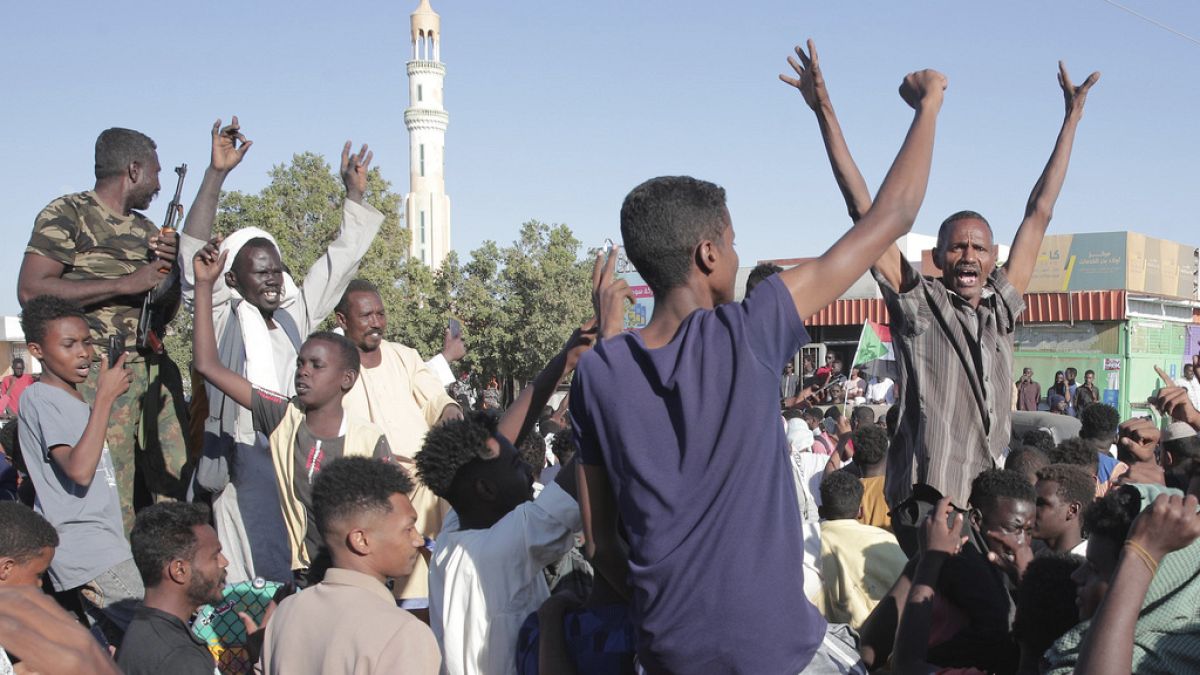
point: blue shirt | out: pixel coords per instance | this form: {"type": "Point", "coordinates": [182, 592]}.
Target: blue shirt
{"type": "Point", "coordinates": [690, 436]}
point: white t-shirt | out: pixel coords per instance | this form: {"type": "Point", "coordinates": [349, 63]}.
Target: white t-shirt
{"type": "Point", "coordinates": [483, 583]}
{"type": "Point", "coordinates": [882, 390]}
{"type": "Point", "coordinates": [1193, 390]}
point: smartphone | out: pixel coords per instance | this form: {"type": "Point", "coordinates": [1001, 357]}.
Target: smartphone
{"type": "Point", "coordinates": [116, 345]}
{"type": "Point", "coordinates": [455, 328]}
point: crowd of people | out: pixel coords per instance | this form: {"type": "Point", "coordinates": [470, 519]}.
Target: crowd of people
{"type": "Point", "coordinates": [705, 499]}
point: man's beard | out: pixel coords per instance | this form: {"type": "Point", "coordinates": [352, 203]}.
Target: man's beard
{"type": "Point", "coordinates": [204, 590]}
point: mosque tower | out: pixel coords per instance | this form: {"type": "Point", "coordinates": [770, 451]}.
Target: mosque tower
{"type": "Point", "coordinates": [426, 206]}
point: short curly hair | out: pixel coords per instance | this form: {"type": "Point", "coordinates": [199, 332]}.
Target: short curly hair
{"type": "Point", "coordinates": [343, 345]}
{"type": "Point", "coordinates": [563, 446]}
{"type": "Point", "coordinates": [1078, 452]}
{"type": "Point", "coordinates": [40, 311]}
{"type": "Point", "coordinates": [351, 485]}
{"type": "Point", "coordinates": [162, 533]}
{"type": "Point", "coordinates": [1099, 421]}
{"type": "Point", "coordinates": [1026, 460]}
{"type": "Point", "coordinates": [994, 484]}
{"type": "Point", "coordinates": [1074, 484]}
{"type": "Point", "coordinates": [1046, 600]}
{"type": "Point", "coordinates": [841, 495]}
{"type": "Point", "coordinates": [533, 450]}
{"type": "Point", "coordinates": [1112, 515]}
{"type": "Point", "coordinates": [1039, 438]}
{"type": "Point", "coordinates": [451, 445]}
{"type": "Point", "coordinates": [24, 533]}
{"type": "Point", "coordinates": [870, 444]}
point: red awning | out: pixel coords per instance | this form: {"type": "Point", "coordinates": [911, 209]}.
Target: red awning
{"type": "Point", "coordinates": [1039, 308]}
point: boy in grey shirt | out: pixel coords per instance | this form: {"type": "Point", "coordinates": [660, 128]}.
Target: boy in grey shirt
{"type": "Point", "coordinates": [63, 440]}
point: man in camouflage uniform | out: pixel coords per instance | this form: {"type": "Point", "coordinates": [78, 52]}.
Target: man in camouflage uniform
{"type": "Point", "coordinates": [96, 249]}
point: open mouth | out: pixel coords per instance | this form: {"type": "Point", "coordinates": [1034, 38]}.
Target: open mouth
{"type": "Point", "coordinates": [967, 276]}
{"type": "Point", "coordinates": [302, 388]}
{"type": "Point", "coordinates": [271, 295]}
{"type": "Point", "coordinates": [83, 370]}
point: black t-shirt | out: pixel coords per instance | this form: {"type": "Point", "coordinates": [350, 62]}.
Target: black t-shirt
{"type": "Point", "coordinates": [157, 642]}
{"type": "Point", "coordinates": [310, 453]}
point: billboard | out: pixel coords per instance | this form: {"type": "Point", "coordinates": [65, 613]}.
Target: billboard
{"type": "Point", "coordinates": [1114, 261]}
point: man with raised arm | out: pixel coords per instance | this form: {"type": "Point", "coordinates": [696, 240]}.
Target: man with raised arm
{"type": "Point", "coordinates": [261, 317]}
{"type": "Point", "coordinates": [685, 461]}
{"type": "Point", "coordinates": [953, 335]}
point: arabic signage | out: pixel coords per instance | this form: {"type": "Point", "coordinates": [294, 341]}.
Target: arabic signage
{"type": "Point", "coordinates": [1114, 261]}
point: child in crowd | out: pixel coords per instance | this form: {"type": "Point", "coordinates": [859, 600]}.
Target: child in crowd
{"type": "Point", "coordinates": [306, 431]}
{"type": "Point", "coordinates": [27, 543]}
{"type": "Point", "coordinates": [679, 432]}
{"type": "Point", "coordinates": [1138, 592]}
{"type": "Point", "coordinates": [859, 562]}
{"type": "Point", "coordinates": [486, 572]}
{"type": "Point", "coordinates": [1064, 491]}
{"type": "Point", "coordinates": [63, 443]}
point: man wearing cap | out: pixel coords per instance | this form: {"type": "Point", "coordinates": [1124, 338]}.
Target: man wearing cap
{"type": "Point", "coordinates": [261, 317]}
{"type": "Point", "coordinates": [1180, 454]}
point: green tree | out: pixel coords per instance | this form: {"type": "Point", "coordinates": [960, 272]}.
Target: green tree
{"type": "Point", "coordinates": [517, 304]}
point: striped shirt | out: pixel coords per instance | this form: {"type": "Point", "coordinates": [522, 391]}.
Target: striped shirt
{"type": "Point", "coordinates": [955, 384]}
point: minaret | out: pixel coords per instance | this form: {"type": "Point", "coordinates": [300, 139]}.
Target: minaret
{"type": "Point", "coordinates": [426, 206]}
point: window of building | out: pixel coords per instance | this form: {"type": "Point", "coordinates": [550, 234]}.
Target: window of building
{"type": "Point", "coordinates": [419, 96]}
{"type": "Point", "coordinates": [422, 227]}
{"type": "Point", "coordinates": [422, 159]}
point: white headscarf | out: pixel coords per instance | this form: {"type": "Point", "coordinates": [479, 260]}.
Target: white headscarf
{"type": "Point", "coordinates": [256, 336]}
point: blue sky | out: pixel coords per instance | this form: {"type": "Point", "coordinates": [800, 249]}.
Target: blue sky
{"type": "Point", "coordinates": [557, 109]}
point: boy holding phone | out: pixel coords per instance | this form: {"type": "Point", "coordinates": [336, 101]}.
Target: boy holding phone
{"type": "Point", "coordinates": [63, 439]}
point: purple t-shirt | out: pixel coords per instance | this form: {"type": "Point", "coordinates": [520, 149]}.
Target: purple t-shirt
{"type": "Point", "coordinates": [690, 436]}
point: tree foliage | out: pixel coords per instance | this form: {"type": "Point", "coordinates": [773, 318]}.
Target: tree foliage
{"type": "Point", "coordinates": [517, 303]}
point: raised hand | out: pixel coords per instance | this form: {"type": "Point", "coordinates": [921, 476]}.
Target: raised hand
{"type": "Point", "coordinates": [354, 171]}
{"type": "Point", "coordinates": [113, 382]}
{"type": "Point", "coordinates": [1014, 556]}
{"type": "Point", "coordinates": [209, 263]}
{"type": "Point", "coordinates": [923, 87]}
{"type": "Point", "coordinates": [1075, 96]}
{"type": "Point", "coordinates": [609, 294]}
{"type": "Point", "coordinates": [810, 81]}
{"type": "Point", "coordinates": [1137, 438]}
{"type": "Point", "coordinates": [581, 340]}
{"type": "Point", "coordinates": [1174, 401]}
{"type": "Point", "coordinates": [226, 153]}
{"type": "Point", "coordinates": [942, 531]}
{"type": "Point", "coordinates": [1171, 523]}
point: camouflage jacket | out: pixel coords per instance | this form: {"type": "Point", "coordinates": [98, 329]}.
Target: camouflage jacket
{"type": "Point", "coordinates": [94, 242]}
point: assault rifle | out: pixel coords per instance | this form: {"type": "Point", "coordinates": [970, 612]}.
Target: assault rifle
{"type": "Point", "coordinates": [158, 308]}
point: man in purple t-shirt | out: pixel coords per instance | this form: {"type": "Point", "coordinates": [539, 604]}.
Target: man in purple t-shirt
{"type": "Point", "coordinates": [693, 511]}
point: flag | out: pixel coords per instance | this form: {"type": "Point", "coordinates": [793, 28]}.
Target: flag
{"type": "Point", "coordinates": [875, 343]}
